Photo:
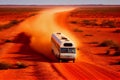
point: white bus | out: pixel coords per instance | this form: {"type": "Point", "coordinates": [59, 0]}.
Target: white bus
{"type": "Point", "coordinates": [63, 47]}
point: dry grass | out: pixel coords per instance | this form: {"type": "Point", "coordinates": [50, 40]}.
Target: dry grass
{"type": "Point", "coordinates": [77, 30]}
{"type": "Point", "coordinates": [4, 65]}
{"type": "Point", "coordinates": [109, 43]}
{"type": "Point", "coordinates": [10, 24]}
{"type": "Point", "coordinates": [17, 65]}
{"type": "Point", "coordinates": [116, 31]}
{"type": "Point", "coordinates": [106, 17]}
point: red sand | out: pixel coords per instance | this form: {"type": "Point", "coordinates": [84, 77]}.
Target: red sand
{"type": "Point", "coordinates": [42, 63]}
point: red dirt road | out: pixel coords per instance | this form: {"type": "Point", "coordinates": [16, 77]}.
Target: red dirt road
{"type": "Point", "coordinates": [32, 45]}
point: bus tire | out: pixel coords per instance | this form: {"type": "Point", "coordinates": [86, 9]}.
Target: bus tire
{"type": "Point", "coordinates": [59, 58]}
{"type": "Point", "coordinates": [73, 60]}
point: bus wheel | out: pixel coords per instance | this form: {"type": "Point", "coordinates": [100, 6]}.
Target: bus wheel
{"type": "Point", "coordinates": [59, 60]}
{"type": "Point", "coordinates": [73, 60]}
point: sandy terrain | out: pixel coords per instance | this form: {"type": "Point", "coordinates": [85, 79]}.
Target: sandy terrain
{"type": "Point", "coordinates": [90, 37]}
{"type": "Point", "coordinates": [31, 44]}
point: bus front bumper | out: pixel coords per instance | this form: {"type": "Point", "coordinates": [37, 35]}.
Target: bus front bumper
{"type": "Point", "coordinates": [67, 56]}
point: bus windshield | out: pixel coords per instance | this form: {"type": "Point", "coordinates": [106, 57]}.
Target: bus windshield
{"type": "Point", "coordinates": [71, 50]}
{"type": "Point", "coordinates": [67, 50]}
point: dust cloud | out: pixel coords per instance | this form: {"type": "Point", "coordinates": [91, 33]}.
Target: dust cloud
{"type": "Point", "coordinates": [40, 28]}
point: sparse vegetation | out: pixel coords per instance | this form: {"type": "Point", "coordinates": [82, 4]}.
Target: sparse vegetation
{"type": "Point", "coordinates": [21, 65]}
{"type": "Point", "coordinates": [96, 16]}
{"type": "Point", "coordinates": [86, 22]}
{"type": "Point", "coordinates": [96, 12]}
{"type": "Point", "coordinates": [108, 43]}
{"type": "Point", "coordinates": [32, 14]}
{"type": "Point", "coordinates": [10, 24]}
{"type": "Point", "coordinates": [117, 53]}
{"type": "Point", "coordinates": [14, 15]}
{"type": "Point", "coordinates": [4, 65]}
{"type": "Point", "coordinates": [77, 30]}
{"type": "Point", "coordinates": [112, 45]}
{"type": "Point", "coordinates": [114, 48]}
{"type": "Point", "coordinates": [108, 23]}
{"type": "Point", "coordinates": [7, 40]}
{"type": "Point", "coordinates": [88, 35]}
{"type": "Point", "coordinates": [116, 31]}
{"type": "Point", "coordinates": [89, 22]}
{"type": "Point", "coordinates": [115, 63]}
{"type": "Point", "coordinates": [104, 23]}
{"type": "Point", "coordinates": [18, 65]}
{"type": "Point", "coordinates": [73, 22]}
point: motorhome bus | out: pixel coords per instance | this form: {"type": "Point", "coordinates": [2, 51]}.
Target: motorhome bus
{"type": "Point", "coordinates": [63, 47]}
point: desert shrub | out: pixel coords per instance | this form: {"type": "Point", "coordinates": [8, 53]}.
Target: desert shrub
{"type": "Point", "coordinates": [73, 22]}
{"type": "Point", "coordinates": [115, 47]}
{"type": "Point", "coordinates": [86, 22]}
{"type": "Point", "coordinates": [32, 14]}
{"type": "Point", "coordinates": [117, 53]}
{"type": "Point", "coordinates": [14, 22]}
{"type": "Point", "coordinates": [108, 23]}
{"type": "Point", "coordinates": [21, 65]}
{"type": "Point", "coordinates": [117, 50]}
{"type": "Point", "coordinates": [113, 50]}
{"type": "Point", "coordinates": [4, 65]}
{"type": "Point", "coordinates": [88, 35]}
{"type": "Point", "coordinates": [112, 45]}
{"type": "Point", "coordinates": [115, 63]}
{"type": "Point", "coordinates": [18, 65]}
{"type": "Point", "coordinates": [111, 24]}
{"type": "Point", "coordinates": [7, 40]}
{"type": "Point", "coordinates": [10, 24]}
{"type": "Point", "coordinates": [116, 31]}
{"type": "Point", "coordinates": [77, 30]}
{"type": "Point", "coordinates": [90, 22]}
{"type": "Point", "coordinates": [108, 43]}
{"type": "Point", "coordinates": [94, 22]}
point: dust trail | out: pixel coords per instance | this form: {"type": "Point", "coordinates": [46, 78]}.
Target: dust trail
{"type": "Point", "coordinates": [40, 28]}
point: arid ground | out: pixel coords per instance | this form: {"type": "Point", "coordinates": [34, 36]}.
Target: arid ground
{"type": "Point", "coordinates": [25, 34]}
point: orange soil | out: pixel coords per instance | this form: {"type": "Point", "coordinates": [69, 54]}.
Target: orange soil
{"type": "Point", "coordinates": [42, 63]}
{"type": "Point", "coordinates": [87, 50]}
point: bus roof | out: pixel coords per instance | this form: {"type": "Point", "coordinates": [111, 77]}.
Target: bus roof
{"type": "Point", "coordinates": [61, 38]}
